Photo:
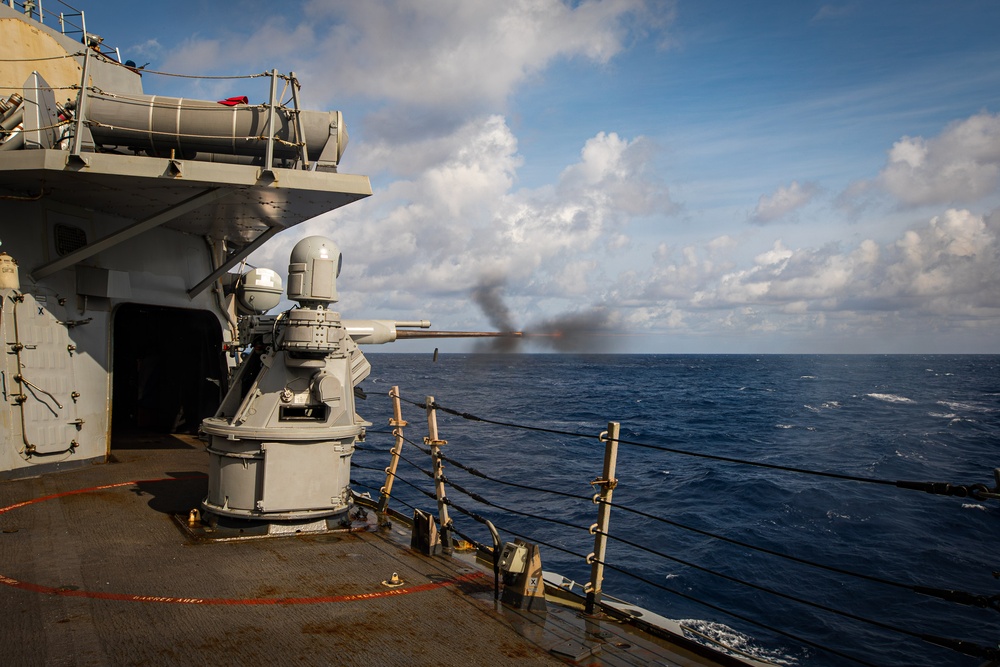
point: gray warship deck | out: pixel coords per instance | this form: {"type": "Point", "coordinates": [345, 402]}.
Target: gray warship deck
{"type": "Point", "coordinates": [96, 571]}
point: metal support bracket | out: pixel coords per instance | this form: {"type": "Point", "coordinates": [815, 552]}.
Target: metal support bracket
{"type": "Point", "coordinates": [261, 239]}
{"type": "Point", "coordinates": [129, 232]}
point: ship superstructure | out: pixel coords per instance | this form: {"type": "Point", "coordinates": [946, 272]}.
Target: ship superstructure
{"type": "Point", "coordinates": [123, 212]}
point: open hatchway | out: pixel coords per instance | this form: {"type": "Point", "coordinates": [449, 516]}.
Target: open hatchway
{"type": "Point", "coordinates": [168, 372]}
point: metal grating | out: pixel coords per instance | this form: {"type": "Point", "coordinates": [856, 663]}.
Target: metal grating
{"type": "Point", "coordinates": [68, 239]}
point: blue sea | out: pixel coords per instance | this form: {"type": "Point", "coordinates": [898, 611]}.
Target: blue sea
{"type": "Point", "coordinates": [907, 417]}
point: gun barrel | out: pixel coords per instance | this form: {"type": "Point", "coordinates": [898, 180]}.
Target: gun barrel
{"type": "Point", "coordinates": [373, 332]}
{"type": "Point", "coordinates": [458, 334]}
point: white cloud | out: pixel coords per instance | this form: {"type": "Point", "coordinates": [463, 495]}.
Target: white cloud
{"type": "Point", "coordinates": [457, 217]}
{"type": "Point", "coordinates": [955, 257]}
{"type": "Point", "coordinates": [151, 48]}
{"type": "Point", "coordinates": [947, 271]}
{"type": "Point", "coordinates": [448, 211]}
{"type": "Point", "coordinates": [440, 54]}
{"type": "Point", "coordinates": [430, 55]}
{"type": "Point", "coordinates": [776, 256]}
{"type": "Point", "coordinates": [432, 81]}
{"type": "Point", "coordinates": [783, 201]}
{"type": "Point", "coordinates": [962, 164]}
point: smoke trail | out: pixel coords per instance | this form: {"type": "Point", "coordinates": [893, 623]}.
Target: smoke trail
{"type": "Point", "coordinates": [589, 331]}
{"type": "Point", "coordinates": [488, 295]}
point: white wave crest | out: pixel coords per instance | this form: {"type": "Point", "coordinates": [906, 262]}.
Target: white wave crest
{"type": "Point", "coordinates": [699, 630]}
{"type": "Point", "coordinates": [967, 407]}
{"type": "Point", "coordinates": [891, 398]}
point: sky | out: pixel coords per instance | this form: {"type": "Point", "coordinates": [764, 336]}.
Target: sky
{"type": "Point", "coordinates": [689, 176]}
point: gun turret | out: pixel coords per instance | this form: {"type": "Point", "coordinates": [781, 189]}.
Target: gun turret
{"type": "Point", "coordinates": [281, 441]}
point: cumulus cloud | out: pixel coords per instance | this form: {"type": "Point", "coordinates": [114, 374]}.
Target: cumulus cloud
{"type": "Point", "coordinates": [955, 257]}
{"type": "Point", "coordinates": [450, 215]}
{"type": "Point", "coordinates": [427, 55]}
{"type": "Point", "coordinates": [783, 201]}
{"type": "Point", "coordinates": [449, 225]}
{"type": "Point", "coordinates": [439, 54]}
{"type": "Point", "coordinates": [962, 164]}
{"type": "Point", "coordinates": [946, 270]}
{"type": "Point", "coordinates": [593, 200]}
{"type": "Point", "coordinates": [150, 48]}
{"type": "Point", "coordinates": [458, 221]}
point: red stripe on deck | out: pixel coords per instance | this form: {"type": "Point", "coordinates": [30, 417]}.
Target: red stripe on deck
{"type": "Point", "coordinates": [126, 597]}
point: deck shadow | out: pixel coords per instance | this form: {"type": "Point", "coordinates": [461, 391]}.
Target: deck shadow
{"type": "Point", "coordinates": [177, 495]}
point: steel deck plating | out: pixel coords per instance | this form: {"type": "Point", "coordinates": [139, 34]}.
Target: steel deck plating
{"type": "Point", "coordinates": [96, 572]}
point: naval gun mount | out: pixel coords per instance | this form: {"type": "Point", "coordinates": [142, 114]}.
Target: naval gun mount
{"type": "Point", "coordinates": [280, 444]}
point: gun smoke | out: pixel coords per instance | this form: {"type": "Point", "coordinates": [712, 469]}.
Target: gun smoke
{"type": "Point", "coordinates": [589, 331]}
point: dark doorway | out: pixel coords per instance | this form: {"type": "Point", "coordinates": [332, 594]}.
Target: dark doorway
{"type": "Point", "coordinates": [167, 369]}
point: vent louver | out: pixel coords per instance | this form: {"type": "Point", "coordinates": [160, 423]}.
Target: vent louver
{"type": "Point", "coordinates": [68, 239]}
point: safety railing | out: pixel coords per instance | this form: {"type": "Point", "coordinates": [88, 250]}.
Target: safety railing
{"type": "Point", "coordinates": [71, 21]}
{"type": "Point", "coordinates": [474, 495]}
{"type": "Point", "coordinates": [277, 108]}
{"type": "Point", "coordinates": [283, 106]}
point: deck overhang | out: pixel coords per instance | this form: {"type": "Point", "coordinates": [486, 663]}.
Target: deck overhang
{"type": "Point", "coordinates": [235, 203]}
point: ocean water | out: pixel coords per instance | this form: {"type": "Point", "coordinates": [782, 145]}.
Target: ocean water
{"type": "Point", "coordinates": [915, 418]}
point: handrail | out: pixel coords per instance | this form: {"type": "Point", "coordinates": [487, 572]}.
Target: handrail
{"type": "Point", "coordinates": [598, 559]}
{"type": "Point", "coordinates": [34, 10]}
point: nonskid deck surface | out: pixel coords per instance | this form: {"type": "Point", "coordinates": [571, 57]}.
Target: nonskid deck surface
{"type": "Point", "coordinates": [94, 571]}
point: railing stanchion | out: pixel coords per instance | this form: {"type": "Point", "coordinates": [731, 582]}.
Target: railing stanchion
{"type": "Point", "coordinates": [269, 153]}
{"type": "Point", "coordinates": [300, 130]}
{"type": "Point", "coordinates": [397, 424]}
{"type": "Point", "coordinates": [435, 443]}
{"type": "Point", "coordinates": [496, 558]}
{"type": "Point", "coordinates": [607, 483]}
{"type": "Point", "coordinates": [81, 101]}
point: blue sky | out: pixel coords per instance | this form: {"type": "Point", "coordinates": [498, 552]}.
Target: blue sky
{"type": "Point", "coordinates": [691, 176]}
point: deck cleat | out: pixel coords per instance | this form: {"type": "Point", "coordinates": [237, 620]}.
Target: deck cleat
{"type": "Point", "coordinates": [393, 582]}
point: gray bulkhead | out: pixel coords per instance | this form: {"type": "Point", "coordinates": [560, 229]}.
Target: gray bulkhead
{"type": "Point", "coordinates": [58, 331]}
{"type": "Point", "coordinates": [119, 248]}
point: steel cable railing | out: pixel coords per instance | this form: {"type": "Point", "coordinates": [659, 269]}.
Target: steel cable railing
{"type": "Point", "coordinates": [961, 597]}
{"type": "Point", "coordinates": [38, 59]}
{"type": "Point", "coordinates": [548, 544]}
{"type": "Point", "coordinates": [965, 647]}
{"type": "Point", "coordinates": [960, 646]}
{"type": "Point", "coordinates": [976, 491]}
